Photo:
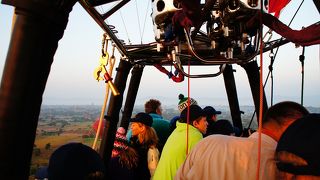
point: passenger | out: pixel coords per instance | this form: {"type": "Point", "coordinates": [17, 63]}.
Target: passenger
{"type": "Point", "coordinates": [160, 125]}
{"type": "Point", "coordinates": [144, 140]}
{"type": "Point", "coordinates": [298, 150]}
{"type": "Point", "coordinates": [237, 131]}
{"type": "Point", "coordinates": [246, 132]}
{"type": "Point", "coordinates": [212, 117]}
{"type": "Point", "coordinates": [223, 127]}
{"type": "Point", "coordinates": [175, 149]}
{"type": "Point", "coordinates": [124, 159]}
{"type": "Point", "coordinates": [41, 173]}
{"type": "Point", "coordinates": [76, 161]}
{"type": "Point", "coordinates": [229, 157]}
{"type": "Point", "coordinates": [173, 123]}
{"type": "Point", "coordinates": [183, 103]}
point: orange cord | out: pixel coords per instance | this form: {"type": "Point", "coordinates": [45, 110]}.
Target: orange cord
{"type": "Point", "coordinates": [261, 98]}
{"type": "Point", "coordinates": [188, 111]}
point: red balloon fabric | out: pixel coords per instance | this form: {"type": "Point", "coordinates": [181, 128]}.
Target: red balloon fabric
{"type": "Point", "coordinates": [95, 126]}
{"type": "Point", "coordinates": [275, 6]}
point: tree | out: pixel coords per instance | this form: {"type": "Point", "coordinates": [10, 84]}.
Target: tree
{"type": "Point", "coordinates": [48, 146]}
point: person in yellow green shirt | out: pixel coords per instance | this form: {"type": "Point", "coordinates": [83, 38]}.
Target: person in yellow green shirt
{"type": "Point", "coordinates": [192, 122]}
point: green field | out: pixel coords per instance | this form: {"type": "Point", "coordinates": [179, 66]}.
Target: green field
{"type": "Point", "coordinates": [51, 136]}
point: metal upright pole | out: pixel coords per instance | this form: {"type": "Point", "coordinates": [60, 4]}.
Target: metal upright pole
{"type": "Point", "coordinates": [131, 95]}
{"type": "Point", "coordinates": [114, 110]}
{"type": "Point", "coordinates": [231, 89]}
{"type": "Point", "coordinates": [252, 71]}
{"type": "Point", "coordinates": [38, 27]}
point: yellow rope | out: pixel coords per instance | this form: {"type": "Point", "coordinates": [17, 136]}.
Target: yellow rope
{"type": "Point", "coordinates": [111, 65]}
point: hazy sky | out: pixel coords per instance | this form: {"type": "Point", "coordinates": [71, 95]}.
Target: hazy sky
{"type": "Point", "coordinates": [71, 79]}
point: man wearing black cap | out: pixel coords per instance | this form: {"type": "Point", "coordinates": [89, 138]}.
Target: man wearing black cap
{"type": "Point", "coordinates": [192, 123]}
{"type": "Point", "coordinates": [298, 150]}
{"type": "Point", "coordinates": [230, 158]}
{"type": "Point", "coordinates": [211, 116]}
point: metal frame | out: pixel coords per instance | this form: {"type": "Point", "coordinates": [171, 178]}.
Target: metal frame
{"type": "Point", "coordinates": [147, 54]}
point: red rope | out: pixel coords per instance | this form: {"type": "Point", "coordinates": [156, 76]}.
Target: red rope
{"type": "Point", "coordinates": [178, 78]}
{"type": "Point", "coordinates": [261, 99]}
{"type": "Point", "coordinates": [188, 111]}
{"type": "Point", "coordinates": [160, 68]}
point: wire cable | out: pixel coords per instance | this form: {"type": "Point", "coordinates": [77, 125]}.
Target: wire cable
{"type": "Point", "coordinates": [138, 20]}
{"type": "Point", "coordinates": [145, 19]}
{"type": "Point", "coordinates": [271, 55]}
{"type": "Point", "coordinates": [125, 28]}
{"type": "Point", "coordinates": [301, 59]}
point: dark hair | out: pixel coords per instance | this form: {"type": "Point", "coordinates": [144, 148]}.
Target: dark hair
{"type": "Point", "coordinates": [75, 161]}
{"type": "Point", "coordinates": [191, 120]}
{"type": "Point", "coordinates": [151, 106]}
{"type": "Point", "coordinates": [223, 126]}
{"type": "Point", "coordinates": [129, 158]}
{"type": "Point", "coordinates": [284, 111]}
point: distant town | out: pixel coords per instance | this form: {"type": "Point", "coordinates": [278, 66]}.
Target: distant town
{"type": "Point", "coordinates": [89, 113]}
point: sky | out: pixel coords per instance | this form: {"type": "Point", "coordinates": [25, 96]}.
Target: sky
{"type": "Point", "coordinates": [71, 79]}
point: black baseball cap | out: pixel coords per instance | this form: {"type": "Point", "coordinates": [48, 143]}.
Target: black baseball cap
{"type": "Point", "coordinates": [210, 111]}
{"type": "Point", "coordinates": [143, 118]}
{"type": "Point", "coordinates": [298, 150]}
{"type": "Point", "coordinates": [195, 112]}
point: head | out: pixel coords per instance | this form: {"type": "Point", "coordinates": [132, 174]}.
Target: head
{"type": "Point", "coordinates": [120, 142]}
{"type": "Point", "coordinates": [153, 106]}
{"type": "Point", "coordinates": [298, 150]}
{"type": "Point", "coordinates": [196, 118]}
{"type": "Point", "coordinates": [211, 113]}
{"type": "Point", "coordinates": [140, 122]}
{"type": "Point", "coordinates": [183, 102]}
{"type": "Point", "coordinates": [75, 161]}
{"type": "Point", "coordinates": [223, 127]}
{"type": "Point", "coordinates": [129, 158]}
{"type": "Point", "coordinates": [281, 115]}
{"type": "Point", "coordinates": [141, 128]}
